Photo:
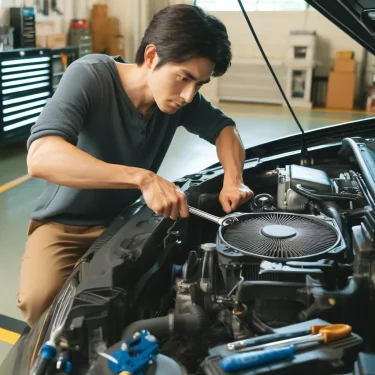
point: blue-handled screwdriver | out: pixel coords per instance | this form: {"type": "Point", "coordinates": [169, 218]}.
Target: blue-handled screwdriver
{"type": "Point", "coordinates": [241, 361]}
{"type": "Point", "coordinates": [261, 354]}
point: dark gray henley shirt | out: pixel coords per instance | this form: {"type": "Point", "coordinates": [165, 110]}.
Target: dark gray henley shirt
{"type": "Point", "coordinates": [90, 109]}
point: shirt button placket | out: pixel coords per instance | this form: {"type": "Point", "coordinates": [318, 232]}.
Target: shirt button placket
{"type": "Point", "coordinates": [142, 131]}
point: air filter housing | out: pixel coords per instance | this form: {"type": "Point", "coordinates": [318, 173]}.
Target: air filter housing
{"type": "Point", "coordinates": [280, 236]}
{"type": "Point", "coordinates": [309, 178]}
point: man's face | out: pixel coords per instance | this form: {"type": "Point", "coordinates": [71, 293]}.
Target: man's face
{"type": "Point", "coordinates": [175, 84]}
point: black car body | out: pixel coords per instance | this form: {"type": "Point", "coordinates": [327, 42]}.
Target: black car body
{"type": "Point", "coordinates": [198, 286]}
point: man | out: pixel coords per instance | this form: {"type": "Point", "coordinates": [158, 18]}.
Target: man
{"type": "Point", "coordinates": [102, 137]}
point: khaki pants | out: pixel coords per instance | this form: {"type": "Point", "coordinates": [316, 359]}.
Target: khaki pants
{"type": "Point", "coordinates": [52, 250]}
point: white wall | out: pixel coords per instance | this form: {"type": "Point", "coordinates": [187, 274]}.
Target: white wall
{"type": "Point", "coordinates": [134, 16]}
{"type": "Point", "coordinates": [70, 9]}
{"type": "Point", "coordinates": [272, 29]}
{"type": "Point", "coordinates": [128, 13]}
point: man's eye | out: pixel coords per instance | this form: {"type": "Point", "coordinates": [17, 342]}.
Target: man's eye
{"type": "Point", "coordinates": [183, 79]}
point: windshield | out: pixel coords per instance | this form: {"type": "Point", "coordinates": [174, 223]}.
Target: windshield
{"type": "Point", "coordinates": [324, 85]}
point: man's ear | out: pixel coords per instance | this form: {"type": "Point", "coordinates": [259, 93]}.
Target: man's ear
{"type": "Point", "coordinates": [151, 56]}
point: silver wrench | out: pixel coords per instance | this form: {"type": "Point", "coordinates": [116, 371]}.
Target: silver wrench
{"type": "Point", "coordinates": [222, 221]}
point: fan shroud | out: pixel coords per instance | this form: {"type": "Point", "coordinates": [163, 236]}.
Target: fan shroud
{"type": "Point", "coordinates": [280, 236]}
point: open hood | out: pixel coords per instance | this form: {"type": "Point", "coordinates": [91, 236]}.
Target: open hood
{"type": "Point", "coordinates": [354, 17]}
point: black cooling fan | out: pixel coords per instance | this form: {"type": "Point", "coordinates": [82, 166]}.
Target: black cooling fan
{"type": "Point", "coordinates": [280, 236]}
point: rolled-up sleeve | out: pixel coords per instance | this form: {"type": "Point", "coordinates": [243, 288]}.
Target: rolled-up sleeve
{"type": "Point", "coordinates": [65, 113]}
{"type": "Point", "coordinates": [204, 119]}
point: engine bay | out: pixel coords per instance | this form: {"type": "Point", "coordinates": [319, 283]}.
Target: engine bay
{"type": "Point", "coordinates": [300, 253]}
{"type": "Point", "coordinates": [288, 259]}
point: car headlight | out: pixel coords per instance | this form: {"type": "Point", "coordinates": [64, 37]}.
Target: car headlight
{"type": "Point", "coordinates": [63, 305]}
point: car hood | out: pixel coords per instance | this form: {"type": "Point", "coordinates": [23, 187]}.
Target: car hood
{"type": "Point", "coordinates": [329, 135]}
{"type": "Point", "coordinates": [355, 17]}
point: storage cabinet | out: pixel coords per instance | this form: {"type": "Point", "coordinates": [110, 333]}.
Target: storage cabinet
{"type": "Point", "coordinates": [28, 77]}
{"type": "Point", "coordinates": [23, 22]}
{"type": "Point", "coordinates": [61, 59]}
{"type": "Point", "coordinates": [25, 86]}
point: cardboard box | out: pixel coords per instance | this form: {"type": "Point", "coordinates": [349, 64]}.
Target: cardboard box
{"type": "Point", "coordinates": [51, 41]}
{"type": "Point", "coordinates": [98, 34]}
{"type": "Point", "coordinates": [56, 41]}
{"type": "Point", "coordinates": [343, 65]}
{"type": "Point", "coordinates": [113, 26]}
{"type": "Point", "coordinates": [340, 92]}
{"type": "Point", "coordinates": [45, 28]}
{"type": "Point", "coordinates": [116, 46]}
{"type": "Point", "coordinates": [348, 55]}
{"type": "Point", "coordinates": [41, 41]}
{"type": "Point", "coordinates": [100, 11]}
{"type": "Point", "coordinates": [370, 103]}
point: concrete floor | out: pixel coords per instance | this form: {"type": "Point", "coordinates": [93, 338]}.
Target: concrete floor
{"type": "Point", "coordinates": [187, 154]}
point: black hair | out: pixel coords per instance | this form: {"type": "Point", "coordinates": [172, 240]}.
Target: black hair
{"type": "Point", "coordinates": [182, 32]}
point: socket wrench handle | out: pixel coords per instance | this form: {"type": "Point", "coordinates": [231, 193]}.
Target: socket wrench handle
{"type": "Point", "coordinates": [222, 221]}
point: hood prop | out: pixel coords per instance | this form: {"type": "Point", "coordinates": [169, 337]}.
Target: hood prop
{"type": "Point", "coordinates": [305, 158]}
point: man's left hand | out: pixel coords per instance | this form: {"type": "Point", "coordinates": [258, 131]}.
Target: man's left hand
{"type": "Point", "coordinates": [233, 195]}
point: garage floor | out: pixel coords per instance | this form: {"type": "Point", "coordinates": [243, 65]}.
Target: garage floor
{"type": "Point", "coordinates": [187, 154]}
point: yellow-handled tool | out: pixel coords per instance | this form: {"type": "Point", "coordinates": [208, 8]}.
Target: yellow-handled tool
{"type": "Point", "coordinates": [331, 333]}
{"type": "Point", "coordinates": [325, 333]}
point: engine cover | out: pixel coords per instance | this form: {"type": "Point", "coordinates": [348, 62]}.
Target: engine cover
{"type": "Point", "coordinates": [309, 178]}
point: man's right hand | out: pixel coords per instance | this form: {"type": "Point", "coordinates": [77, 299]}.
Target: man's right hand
{"type": "Point", "coordinates": [163, 197]}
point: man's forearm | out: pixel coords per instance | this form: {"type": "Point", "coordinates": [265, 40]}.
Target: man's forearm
{"type": "Point", "coordinates": [231, 154]}
{"type": "Point", "coordinates": [55, 160]}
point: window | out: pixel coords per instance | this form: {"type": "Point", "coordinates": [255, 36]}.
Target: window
{"type": "Point", "coordinates": [251, 5]}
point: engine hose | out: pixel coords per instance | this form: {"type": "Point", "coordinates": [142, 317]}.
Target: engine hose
{"type": "Point", "coordinates": [356, 212]}
{"type": "Point", "coordinates": [326, 196]}
{"type": "Point", "coordinates": [211, 272]}
{"type": "Point", "coordinates": [260, 327]}
{"type": "Point", "coordinates": [190, 324]}
{"type": "Point", "coordinates": [332, 211]}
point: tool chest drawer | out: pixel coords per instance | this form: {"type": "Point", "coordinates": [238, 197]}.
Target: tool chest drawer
{"type": "Point", "coordinates": [25, 86]}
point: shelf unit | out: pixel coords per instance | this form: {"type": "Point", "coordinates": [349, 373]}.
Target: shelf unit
{"type": "Point", "coordinates": [251, 81]}
{"type": "Point", "coordinates": [23, 22]}
{"type": "Point", "coordinates": [61, 59]}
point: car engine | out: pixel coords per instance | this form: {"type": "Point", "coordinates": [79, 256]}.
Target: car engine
{"type": "Point", "coordinates": [263, 272]}
{"type": "Point", "coordinates": [296, 252]}
{"type": "Point", "coordinates": [300, 253]}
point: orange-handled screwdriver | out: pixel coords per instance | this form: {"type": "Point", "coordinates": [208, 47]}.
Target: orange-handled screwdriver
{"type": "Point", "coordinates": [325, 333]}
